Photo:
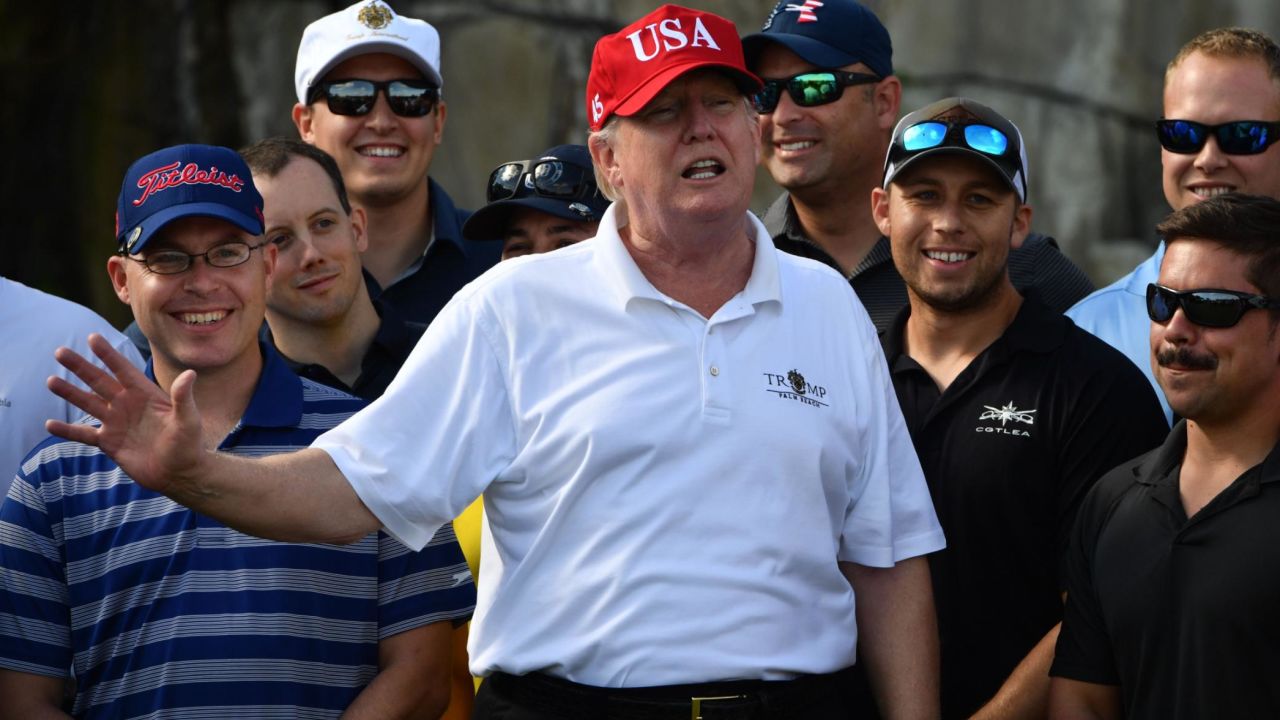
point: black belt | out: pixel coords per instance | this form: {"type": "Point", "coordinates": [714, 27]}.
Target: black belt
{"type": "Point", "coordinates": [803, 697]}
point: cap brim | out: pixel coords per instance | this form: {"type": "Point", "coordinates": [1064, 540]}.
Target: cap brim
{"type": "Point", "coordinates": [490, 222]}
{"type": "Point", "coordinates": [898, 169]}
{"type": "Point", "coordinates": [649, 89]}
{"type": "Point", "coordinates": [811, 51]}
{"type": "Point", "coordinates": [431, 74]}
{"type": "Point", "coordinates": [156, 222]}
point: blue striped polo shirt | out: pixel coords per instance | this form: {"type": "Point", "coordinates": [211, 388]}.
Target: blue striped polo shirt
{"type": "Point", "coordinates": [166, 612]}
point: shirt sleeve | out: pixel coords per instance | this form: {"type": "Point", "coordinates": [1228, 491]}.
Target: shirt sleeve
{"type": "Point", "coordinates": [419, 588]}
{"type": "Point", "coordinates": [443, 430]}
{"type": "Point", "coordinates": [35, 629]}
{"type": "Point", "coordinates": [1115, 418]}
{"type": "Point", "coordinates": [1084, 648]}
{"type": "Point", "coordinates": [1039, 268]}
{"type": "Point", "coordinates": [892, 517]}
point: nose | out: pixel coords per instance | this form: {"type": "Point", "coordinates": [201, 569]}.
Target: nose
{"type": "Point", "coordinates": [201, 277]}
{"type": "Point", "coordinates": [946, 219]}
{"type": "Point", "coordinates": [786, 111]}
{"type": "Point", "coordinates": [698, 125]}
{"type": "Point", "coordinates": [1210, 157]}
{"type": "Point", "coordinates": [380, 118]}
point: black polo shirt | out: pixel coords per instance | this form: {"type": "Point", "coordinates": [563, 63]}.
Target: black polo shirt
{"type": "Point", "coordinates": [1036, 268]}
{"type": "Point", "coordinates": [395, 339]}
{"type": "Point", "coordinates": [1183, 614]}
{"type": "Point", "coordinates": [450, 262]}
{"type": "Point", "coordinates": [1008, 450]}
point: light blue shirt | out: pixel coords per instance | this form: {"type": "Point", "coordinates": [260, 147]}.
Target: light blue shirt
{"type": "Point", "coordinates": [1118, 314]}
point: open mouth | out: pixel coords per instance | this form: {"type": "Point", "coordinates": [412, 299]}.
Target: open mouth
{"type": "Point", "coordinates": [794, 145]}
{"type": "Point", "coordinates": [202, 318]}
{"type": "Point", "coordinates": [1204, 193]}
{"type": "Point", "coordinates": [947, 256]}
{"type": "Point", "coordinates": [381, 151]}
{"type": "Point", "coordinates": [703, 170]}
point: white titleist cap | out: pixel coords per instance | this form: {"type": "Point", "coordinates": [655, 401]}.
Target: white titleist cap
{"type": "Point", "coordinates": [363, 28]}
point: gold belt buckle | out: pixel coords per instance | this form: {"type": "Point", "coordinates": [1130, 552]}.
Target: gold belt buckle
{"type": "Point", "coordinates": [697, 703]}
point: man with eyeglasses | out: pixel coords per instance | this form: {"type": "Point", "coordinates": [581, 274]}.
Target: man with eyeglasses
{"type": "Point", "coordinates": [1013, 410]}
{"type": "Point", "coordinates": [690, 464]}
{"type": "Point", "coordinates": [539, 205]}
{"type": "Point", "coordinates": [1171, 569]}
{"type": "Point", "coordinates": [827, 108]}
{"type": "Point", "coordinates": [1219, 134]}
{"type": "Point", "coordinates": [161, 610]}
{"type": "Point", "coordinates": [370, 94]}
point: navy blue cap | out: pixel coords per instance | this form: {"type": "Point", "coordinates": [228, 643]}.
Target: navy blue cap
{"type": "Point", "coordinates": [828, 34]}
{"type": "Point", "coordinates": [586, 205]}
{"type": "Point", "coordinates": [184, 181]}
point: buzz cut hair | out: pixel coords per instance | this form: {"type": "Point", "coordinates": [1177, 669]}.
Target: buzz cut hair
{"type": "Point", "coordinates": [1231, 42]}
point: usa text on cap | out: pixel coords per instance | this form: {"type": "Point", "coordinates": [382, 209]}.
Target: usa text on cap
{"type": "Point", "coordinates": [630, 67]}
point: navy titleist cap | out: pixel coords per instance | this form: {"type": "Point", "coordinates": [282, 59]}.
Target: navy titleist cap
{"type": "Point", "coordinates": [184, 181]}
{"type": "Point", "coordinates": [560, 181]}
{"type": "Point", "coordinates": [826, 33]}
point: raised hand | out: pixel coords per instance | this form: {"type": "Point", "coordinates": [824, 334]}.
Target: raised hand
{"type": "Point", "coordinates": [154, 437]}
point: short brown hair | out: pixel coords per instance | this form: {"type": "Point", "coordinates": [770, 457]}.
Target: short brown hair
{"type": "Point", "coordinates": [1248, 225]}
{"type": "Point", "coordinates": [271, 156]}
{"type": "Point", "coordinates": [1232, 42]}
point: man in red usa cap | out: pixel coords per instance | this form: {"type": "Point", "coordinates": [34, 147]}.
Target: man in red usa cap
{"type": "Point", "coordinates": [692, 462]}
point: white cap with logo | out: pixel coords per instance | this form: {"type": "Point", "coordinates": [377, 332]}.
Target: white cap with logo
{"type": "Point", "coordinates": [363, 28]}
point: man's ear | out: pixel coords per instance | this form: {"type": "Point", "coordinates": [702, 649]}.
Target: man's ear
{"type": "Point", "coordinates": [302, 120]}
{"type": "Point", "coordinates": [118, 272]}
{"type": "Point", "coordinates": [880, 209]}
{"type": "Point", "coordinates": [888, 100]}
{"type": "Point", "coordinates": [442, 112]}
{"type": "Point", "coordinates": [1021, 226]}
{"type": "Point", "coordinates": [358, 225]}
{"type": "Point", "coordinates": [604, 158]}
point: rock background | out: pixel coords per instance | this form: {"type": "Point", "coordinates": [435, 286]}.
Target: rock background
{"type": "Point", "coordinates": [89, 87]}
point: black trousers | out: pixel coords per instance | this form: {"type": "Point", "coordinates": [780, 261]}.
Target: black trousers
{"type": "Point", "coordinates": [537, 697]}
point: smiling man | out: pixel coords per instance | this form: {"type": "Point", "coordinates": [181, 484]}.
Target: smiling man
{"type": "Point", "coordinates": [827, 110]}
{"type": "Point", "coordinates": [163, 611]}
{"type": "Point", "coordinates": [1013, 410]}
{"type": "Point", "coordinates": [1171, 569]}
{"type": "Point", "coordinates": [370, 94]}
{"type": "Point", "coordinates": [699, 492]}
{"type": "Point", "coordinates": [1219, 134]}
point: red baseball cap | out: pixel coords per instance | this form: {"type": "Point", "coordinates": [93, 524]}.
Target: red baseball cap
{"type": "Point", "coordinates": [631, 66]}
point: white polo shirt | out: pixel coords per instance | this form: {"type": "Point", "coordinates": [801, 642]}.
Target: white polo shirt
{"type": "Point", "coordinates": [32, 325]}
{"type": "Point", "coordinates": [667, 496]}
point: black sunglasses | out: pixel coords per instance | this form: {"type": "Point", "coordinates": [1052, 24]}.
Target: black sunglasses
{"type": "Point", "coordinates": [1242, 137]}
{"type": "Point", "coordinates": [407, 98]}
{"type": "Point", "coordinates": [1206, 307]}
{"type": "Point", "coordinates": [809, 89]}
{"type": "Point", "coordinates": [548, 177]}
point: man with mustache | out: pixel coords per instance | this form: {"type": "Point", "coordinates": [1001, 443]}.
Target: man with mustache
{"type": "Point", "coordinates": [1171, 581]}
{"type": "Point", "coordinates": [1218, 134]}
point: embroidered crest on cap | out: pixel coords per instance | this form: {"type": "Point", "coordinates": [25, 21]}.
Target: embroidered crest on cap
{"type": "Point", "coordinates": [673, 38]}
{"type": "Point", "coordinates": [807, 10]}
{"type": "Point", "coordinates": [163, 178]}
{"type": "Point", "coordinates": [581, 209]}
{"type": "Point", "coordinates": [133, 237]}
{"type": "Point", "coordinates": [374, 16]}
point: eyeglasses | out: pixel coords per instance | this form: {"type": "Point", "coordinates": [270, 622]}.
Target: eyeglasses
{"type": "Point", "coordinates": [407, 98]}
{"type": "Point", "coordinates": [1206, 307]}
{"type": "Point", "coordinates": [1242, 137]}
{"type": "Point", "coordinates": [548, 177]}
{"type": "Point", "coordinates": [172, 262]}
{"type": "Point", "coordinates": [983, 138]}
{"type": "Point", "coordinates": [809, 89]}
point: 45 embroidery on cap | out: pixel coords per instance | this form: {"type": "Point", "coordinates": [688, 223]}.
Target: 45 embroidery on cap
{"type": "Point", "coordinates": [793, 386]}
{"type": "Point", "coordinates": [1009, 413]}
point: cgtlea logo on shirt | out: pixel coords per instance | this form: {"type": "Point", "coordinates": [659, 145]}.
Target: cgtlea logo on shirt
{"type": "Point", "coordinates": [793, 386]}
{"type": "Point", "coordinates": [1009, 413]}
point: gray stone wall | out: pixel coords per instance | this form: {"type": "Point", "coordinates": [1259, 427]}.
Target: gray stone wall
{"type": "Point", "coordinates": [91, 89]}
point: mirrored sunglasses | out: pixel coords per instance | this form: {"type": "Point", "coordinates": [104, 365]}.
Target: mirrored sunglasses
{"type": "Point", "coordinates": [1206, 307]}
{"type": "Point", "coordinates": [809, 89]}
{"type": "Point", "coordinates": [407, 98]}
{"type": "Point", "coordinates": [1242, 137]}
{"type": "Point", "coordinates": [548, 177]}
{"type": "Point", "coordinates": [983, 138]}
